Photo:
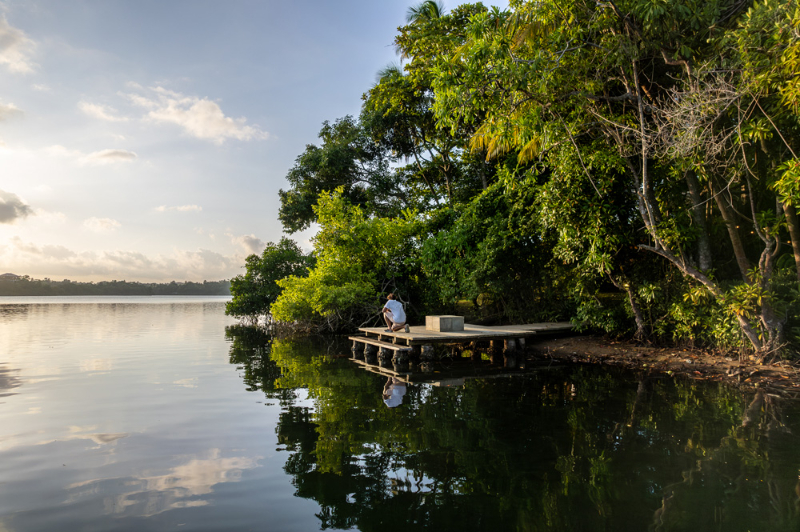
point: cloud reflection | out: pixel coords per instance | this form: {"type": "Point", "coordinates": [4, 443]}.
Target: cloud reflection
{"type": "Point", "coordinates": [149, 495]}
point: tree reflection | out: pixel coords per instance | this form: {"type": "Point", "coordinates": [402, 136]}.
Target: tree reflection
{"type": "Point", "coordinates": [574, 448]}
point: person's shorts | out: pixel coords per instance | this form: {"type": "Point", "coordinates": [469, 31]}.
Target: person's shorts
{"type": "Point", "coordinates": [391, 317]}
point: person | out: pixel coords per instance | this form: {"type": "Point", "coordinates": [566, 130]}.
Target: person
{"type": "Point", "coordinates": [394, 315]}
{"type": "Point", "coordinates": [393, 392]}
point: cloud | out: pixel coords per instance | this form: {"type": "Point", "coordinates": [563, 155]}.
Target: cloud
{"type": "Point", "coordinates": [250, 243]}
{"type": "Point", "coordinates": [103, 112]}
{"type": "Point", "coordinates": [109, 156]}
{"type": "Point", "coordinates": [199, 117]}
{"type": "Point", "coordinates": [51, 217]}
{"type": "Point", "coordinates": [42, 252]}
{"type": "Point", "coordinates": [41, 87]}
{"type": "Point", "coordinates": [179, 208]}
{"type": "Point", "coordinates": [98, 157]}
{"type": "Point", "coordinates": [57, 150]}
{"type": "Point", "coordinates": [58, 262]}
{"type": "Point", "coordinates": [12, 208]}
{"type": "Point", "coordinates": [9, 111]}
{"type": "Point", "coordinates": [101, 225]}
{"type": "Point", "coordinates": [15, 48]}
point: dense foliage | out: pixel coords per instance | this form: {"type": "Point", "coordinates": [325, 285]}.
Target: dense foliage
{"type": "Point", "coordinates": [256, 290]}
{"type": "Point", "coordinates": [630, 165]}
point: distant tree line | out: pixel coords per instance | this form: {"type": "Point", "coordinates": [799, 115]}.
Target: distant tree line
{"type": "Point", "coordinates": [46, 287]}
{"type": "Point", "coordinates": [631, 165]}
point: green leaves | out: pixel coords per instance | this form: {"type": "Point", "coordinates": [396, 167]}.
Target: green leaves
{"type": "Point", "coordinates": [355, 255]}
{"type": "Point", "coordinates": [788, 185]}
{"type": "Point", "coordinates": [255, 291]}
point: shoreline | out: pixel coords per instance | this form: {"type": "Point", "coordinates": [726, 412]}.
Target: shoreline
{"type": "Point", "coordinates": [782, 378]}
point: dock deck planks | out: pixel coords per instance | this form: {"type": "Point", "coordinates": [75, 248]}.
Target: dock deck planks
{"type": "Point", "coordinates": [419, 335]}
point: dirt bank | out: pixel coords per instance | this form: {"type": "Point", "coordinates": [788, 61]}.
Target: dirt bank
{"type": "Point", "coordinates": [781, 377]}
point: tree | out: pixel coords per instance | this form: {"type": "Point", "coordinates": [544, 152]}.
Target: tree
{"type": "Point", "coordinates": [548, 74]}
{"type": "Point", "coordinates": [399, 110]}
{"type": "Point", "coordinates": [350, 159]}
{"type": "Point", "coordinates": [358, 258]}
{"type": "Point", "coordinates": [255, 291]}
{"type": "Point", "coordinates": [493, 252]}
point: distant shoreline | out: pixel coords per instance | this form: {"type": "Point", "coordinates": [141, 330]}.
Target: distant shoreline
{"type": "Point", "coordinates": [46, 287]}
{"type": "Point", "coordinates": [9, 301]}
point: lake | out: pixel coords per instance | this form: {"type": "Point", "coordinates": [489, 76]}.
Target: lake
{"type": "Point", "coordinates": [160, 413]}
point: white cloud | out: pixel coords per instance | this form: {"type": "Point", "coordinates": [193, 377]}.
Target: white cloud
{"type": "Point", "coordinates": [9, 111]}
{"type": "Point", "coordinates": [249, 243]}
{"type": "Point", "coordinates": [98, 157]}
{"type": "Point", "coordinates": [101, 225]}
{"type": "Point", "coordinates": [109, 156]}
{"type": "Point", "coordinates": [51, 217]}
{"type": "Point", "coordinates": [46, 252]}
{"type": "Point", "coordinates": [179, 208]}
{"type": "Point", "coordinates": [200, 117]}
{"type": "Point", "coordinates": [58, 262]}
{"type": "Point", "coordinates": [57, 150]}
{"type": "Point", "coordinates": [15, 48]}
{"type": "Point", "coordinates": [41, 87]}
{"type": "Point", "coordinates": [103, 112]}
{"type": "Point", "coordinates": [12, 208]}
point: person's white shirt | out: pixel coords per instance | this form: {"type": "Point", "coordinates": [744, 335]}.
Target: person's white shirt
{"type": "Point", "coordinates": [396, 308]}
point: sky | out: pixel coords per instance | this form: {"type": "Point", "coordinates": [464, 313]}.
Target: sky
{"type": "Point", "coordinates": [147, 140]}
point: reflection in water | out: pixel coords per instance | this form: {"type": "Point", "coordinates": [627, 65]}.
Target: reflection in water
{"type": "Point", "coordinates": [393, 392]}
{"type": "Point", "coordinates": [152, 494]}
{"type": "Point", "coordinates": [562, 449]}
{"type": "Point", "coordinates": [135, 417]}
{"type": "Point", "coordinates": [8, 380]}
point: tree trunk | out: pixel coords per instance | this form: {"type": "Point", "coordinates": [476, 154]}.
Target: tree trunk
{"type": "Point", "coordinates": [773, 323]}
{"type": "Point", "coordinates": [699, 218]}
{"type": "Point", "coordinates": [641, 331]}
{"type": "Point", "coordinates": [730, 223]}
{"type": "Point", "coordinates": [794, 234]}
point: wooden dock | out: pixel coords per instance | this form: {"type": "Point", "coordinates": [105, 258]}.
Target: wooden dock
{"type": "Point", "coordinates": [399, 347]}
{"type": "Point", "coordinates": [419, 335]}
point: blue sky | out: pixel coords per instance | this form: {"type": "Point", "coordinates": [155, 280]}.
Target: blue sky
{"type": "Point", "coordinates": [147, 140]}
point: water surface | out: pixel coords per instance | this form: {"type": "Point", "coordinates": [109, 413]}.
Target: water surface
{"type": "Point", "coordinates": [156, 413]}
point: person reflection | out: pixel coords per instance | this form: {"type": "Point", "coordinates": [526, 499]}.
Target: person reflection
{"type": "Point", "coordinates": [393, 392]}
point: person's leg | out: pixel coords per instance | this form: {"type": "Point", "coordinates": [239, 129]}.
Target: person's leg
{"type": "Point", "coordinates": [388, 320]}
{"type": "Point", "coordinates": [397, 326]}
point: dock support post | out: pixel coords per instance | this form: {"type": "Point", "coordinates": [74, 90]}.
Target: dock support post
{"type": "Point", "coordinates": [385, 357]}
{"type": "Point", "coordinates": [510, 353]}
{"type": "Point", "coordinates": [400, 359]}
{"type": "Point", "coordinates": [427, 353]}
{"type": "Point", "coordinates": [370, 354]}
{"type": "Point", "coordinates": [358, 350]}
{"type": "Point", "coordinates": [495, 351]}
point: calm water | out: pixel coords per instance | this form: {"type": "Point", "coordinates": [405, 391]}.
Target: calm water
{"type": "Point", "coordinates": [157, 414]}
